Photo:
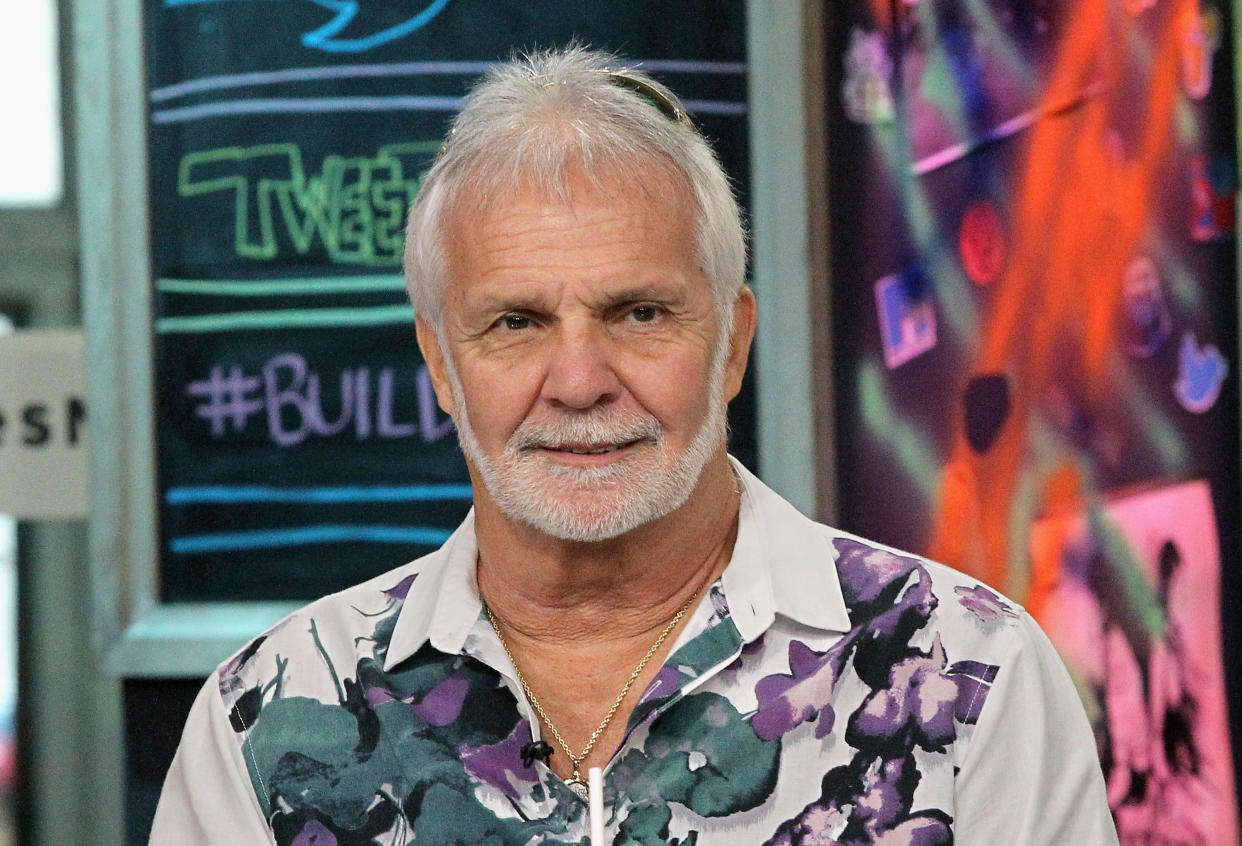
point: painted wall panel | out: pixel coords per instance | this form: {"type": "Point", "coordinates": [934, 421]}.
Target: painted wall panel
{"type": "Point", "coordinates": [1035, 277]}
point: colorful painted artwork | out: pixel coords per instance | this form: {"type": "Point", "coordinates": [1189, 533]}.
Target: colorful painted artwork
{"type": "Point", "coordinates": [1130, 594]}
{"type": "Point", "coordinates": [907, 317]}
{"type": "Point", "coordinates": [1064, 177]}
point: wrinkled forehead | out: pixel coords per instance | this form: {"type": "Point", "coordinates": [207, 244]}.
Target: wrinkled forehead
{"type": "Point", "coordinates": [652, 200]}
{"type": "Point", "coordinates": [652, 179]}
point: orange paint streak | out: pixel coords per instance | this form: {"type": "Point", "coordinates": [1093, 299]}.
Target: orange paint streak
{"type": "Point", "coordinates": [1062, 495]}
{"type": "Point", "coordinates": [1079, 218]}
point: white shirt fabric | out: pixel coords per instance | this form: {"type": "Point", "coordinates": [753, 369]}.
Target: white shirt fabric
{"type": "Point", "coordinates": [828, 690]}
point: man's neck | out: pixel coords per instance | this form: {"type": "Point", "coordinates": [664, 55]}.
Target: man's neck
{"type": "Point", "coordinates": [551, 590]}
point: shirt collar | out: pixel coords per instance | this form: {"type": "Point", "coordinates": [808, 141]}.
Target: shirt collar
{"type": "Point", "coordinates": [783, 563]}
{"type": "Point", "coordinates": [443, 603]}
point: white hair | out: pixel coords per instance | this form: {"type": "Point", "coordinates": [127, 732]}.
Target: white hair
{"type": "Point", "coordinates": [535, 122]}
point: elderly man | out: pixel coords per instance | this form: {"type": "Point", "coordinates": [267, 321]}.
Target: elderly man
{"type": "Point", "coordinates": [624, 596]}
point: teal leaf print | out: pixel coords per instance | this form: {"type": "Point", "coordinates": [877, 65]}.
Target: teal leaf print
{"type": "Point", "coordinates": [647, 825]}
{"type": "Point", "coordinates": [704, 755]}
{"type": "Point", "coordinates": [446, 817]}
{"type": "Point", "coordinates": [306, 753]}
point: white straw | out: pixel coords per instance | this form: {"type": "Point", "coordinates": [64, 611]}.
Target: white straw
{"type": "Point", "coordinates": [595, 803]}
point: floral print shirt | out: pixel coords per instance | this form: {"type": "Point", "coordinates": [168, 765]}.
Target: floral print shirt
{"type": "Point", "coordinates": [827, 690]}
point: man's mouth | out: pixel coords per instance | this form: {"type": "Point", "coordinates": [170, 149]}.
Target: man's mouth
{"type": "Point", "coordinates": [590, 440]}
{"type": "Point", "coordinates": [589, 449]}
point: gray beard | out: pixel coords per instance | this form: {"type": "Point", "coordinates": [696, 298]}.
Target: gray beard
{"type": "Point", "coordinates": [592, 504]}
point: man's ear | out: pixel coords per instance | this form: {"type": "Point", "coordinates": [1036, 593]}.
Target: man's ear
{"type": "Point", "coordinates": [744, 318]}
{"type": "Point", "coordinates": [429, 344]}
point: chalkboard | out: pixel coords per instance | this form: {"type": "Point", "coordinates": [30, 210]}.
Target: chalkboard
{"type": "Point", "coordinates": [298, 443]}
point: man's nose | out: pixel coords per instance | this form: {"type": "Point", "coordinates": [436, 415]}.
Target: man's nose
{"type": "Point", "coordinates": [580, 373]}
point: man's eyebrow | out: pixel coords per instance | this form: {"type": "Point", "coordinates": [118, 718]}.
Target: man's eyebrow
{"type": "Point", "coordinates": [660, 292]}
{"type": "Point", "coordinates": [517, 301]}
{"type": "Point", "coordinates": [511, 302]}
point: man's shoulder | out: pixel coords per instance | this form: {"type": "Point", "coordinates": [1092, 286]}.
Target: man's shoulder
{"type": "Point", "coordinates": [888, 586]}
{"type": "Point", "coordinates": [914, 620]}
{"type": "Point", "coordinates": [300, 652]}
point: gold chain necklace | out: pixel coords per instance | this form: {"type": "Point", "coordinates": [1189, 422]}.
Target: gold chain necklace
{"type": "Point", "coordinates": [575, 781]}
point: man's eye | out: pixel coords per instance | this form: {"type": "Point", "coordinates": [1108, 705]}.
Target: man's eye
{"type": "Point", "coordinates": [515, 322]}
{"type": "Point", "coordinates": [645, 313]}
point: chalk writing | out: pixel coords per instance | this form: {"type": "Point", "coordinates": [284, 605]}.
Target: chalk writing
{"type": "Point", "coordinates": [355, 16]}
{"type": "Point", "coordinates": [327, 37]}
{"type": "Point", "coordinates": [288, 395]}
{"type": "Point", "coordinates": [354, 208]}
{"type": "Point", "coordinates": [228, 399]}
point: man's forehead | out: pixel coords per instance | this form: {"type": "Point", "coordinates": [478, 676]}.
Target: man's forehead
{"type": "Point", "coordinates": [652, 178]}
{"type": "Point", "coordinates": [601, 213]}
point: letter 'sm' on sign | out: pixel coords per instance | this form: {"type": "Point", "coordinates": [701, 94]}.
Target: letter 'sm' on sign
{"type": "Point", "coordinates": [43, 426]}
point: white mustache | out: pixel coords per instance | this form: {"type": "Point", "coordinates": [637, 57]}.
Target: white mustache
{"type": "Point", "coordinates": [593, 430]}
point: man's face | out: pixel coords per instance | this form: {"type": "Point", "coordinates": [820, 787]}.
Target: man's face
{"type": "Point", "coordinates": [586, 368]}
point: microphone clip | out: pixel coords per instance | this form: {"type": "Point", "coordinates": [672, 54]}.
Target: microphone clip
{"type": "Point", "coordinates": [535, 749]}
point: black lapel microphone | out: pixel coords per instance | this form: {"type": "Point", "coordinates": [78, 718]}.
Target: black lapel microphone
{"type": "Point", "coordinates": [535, 749]}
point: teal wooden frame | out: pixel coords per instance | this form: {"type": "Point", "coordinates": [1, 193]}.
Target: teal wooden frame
{"type": "Point", "coordinates": [789, 242]}
{"type": "Point", "coordinates": [137, 634]}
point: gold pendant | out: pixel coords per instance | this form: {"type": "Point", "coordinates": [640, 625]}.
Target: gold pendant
{"type": "Point", "coordinates": [578, 786]}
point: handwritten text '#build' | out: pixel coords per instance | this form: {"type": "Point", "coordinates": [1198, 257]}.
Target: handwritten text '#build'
{"type": "Point", "coordinates": [289, 398]}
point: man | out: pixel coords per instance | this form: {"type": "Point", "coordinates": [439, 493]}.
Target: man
{"type": "Point", "coordinates": [623, 595]}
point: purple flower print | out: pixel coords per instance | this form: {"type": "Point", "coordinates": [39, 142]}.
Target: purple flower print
{"type": "Point", "coordinates": [889, 597]}
{"type": "Point", "coordinates": [902, 616]}
{"type": "Point", "coordinates": [866, 572]}
{"type": "Point", "coordinates": [861, 801]}
{"type": "Point", "coordinates": [974, 682]}
{"type": "Point", "coordinates": [918, 703]}
{"type": "Point", "coordinates": [917, 831]}
{"type": "Point", "coordinates": [442, 704]}
{"type": "Point", "coordinates": [315, 833]}
{"type": "Point", "coordinates": [983, 603]}
{"type": "Point", "coordinates": [401, 588]}
{"type": "Point", "coordinates": [916, 700]}
{"type": "Point", "coordinates": [815, 826]}
{"type": "Point", "coordinates": [376, 695]}
{"type": "Point", "coordinates": [664, 684]}
{"type": "Point", "coordinates": [500, 764]}
{"type": "Point", "coordinates": [805, 693]}
{"type": "Point", "coordinates": [885, 796]}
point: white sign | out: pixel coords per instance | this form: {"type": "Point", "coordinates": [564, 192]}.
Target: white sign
{"type": "Point", "coordinates": [43, 426]}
